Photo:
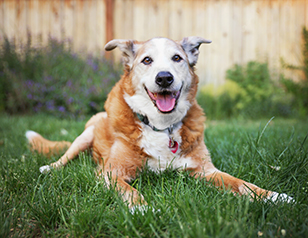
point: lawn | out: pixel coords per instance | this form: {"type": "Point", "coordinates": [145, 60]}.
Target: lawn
{"type": "Point", "coordinates": [71, 202]}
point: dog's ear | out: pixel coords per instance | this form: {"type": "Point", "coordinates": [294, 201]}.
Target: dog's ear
{"type": "Point", "coordinates": [128, 48]}
{"type": "Point", "coordinates": [191, 46]}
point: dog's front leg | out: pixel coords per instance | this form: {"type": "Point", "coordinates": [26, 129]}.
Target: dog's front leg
{"type": "Point", "coordinates": [237, 186]}
{"type": "Point", "coordinates": [81, 143]}
{"type": "Point", "coordinates": [119, 168]}
{"type": "Point", "coordinates": [128, 193]}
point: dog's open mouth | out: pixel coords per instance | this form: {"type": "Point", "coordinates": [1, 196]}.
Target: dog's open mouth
{"type": "Point", "coordinates": [165, 101]}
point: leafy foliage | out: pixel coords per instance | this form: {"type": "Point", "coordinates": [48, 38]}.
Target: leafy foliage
{"type": "Point", "coordinates": [249, 92]}
{"type": "Point", "coordinates": [299, 90]}
{"type": "Point", "coordinates": [305, 51]}
{"type": "Point", "coordinates": [53, 79]}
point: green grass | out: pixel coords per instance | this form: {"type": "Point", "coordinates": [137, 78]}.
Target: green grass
{"type": "Point", "coordinates": [72, 202]}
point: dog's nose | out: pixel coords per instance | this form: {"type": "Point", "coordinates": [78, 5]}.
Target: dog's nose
{"type": "Point", "coordinates": [164, 79]}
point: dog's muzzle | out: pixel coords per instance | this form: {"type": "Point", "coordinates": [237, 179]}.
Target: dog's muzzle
{"type": "Point", "coordinates": [165, 100]}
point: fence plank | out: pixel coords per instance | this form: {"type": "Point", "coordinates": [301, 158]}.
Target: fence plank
{"type": "Point", "coordinates": [1, 20]}
{"type": "Point", "coordinates": [9, 23]}
{"type": "Point", "coordinates": [175, 22]}
{"type": "Point", "coordinates": [158, 24]}
{"type": "Point", "coordinates": [79, 26]}
{"type": "Point", "coordinates": [224, 40]}
{"type": "Point", "coordinates": [273, 38]}
{"type": "Point", "coordinates": [68, 20]}
{"type": "Point", "coordinates": [21, 23]}
{"type": "Point", "coordinates": [100, 30]}
{"type": "Point", "coordinates": [44, 16]}
{"type": "Point", "coordinates": [55, 18]}
{"type": "Point", "coordinates": [201, 29]}
{"type": "Point", "coordinates": [140, 19]}
{"type": "Point", "coordinates": [262, 40]}
{"type": "Point", "coordinates": [249, 22]}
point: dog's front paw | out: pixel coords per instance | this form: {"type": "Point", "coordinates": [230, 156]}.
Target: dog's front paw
{"type": "Point", "coordinates": [45, 169]}
{"type": "Point", "coordinates": [275, 197]}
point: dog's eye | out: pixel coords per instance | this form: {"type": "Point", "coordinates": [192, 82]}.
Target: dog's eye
{"type": "Point", "coordinates": [147, 61]}
{"type": "Point", "coordinates": [176, 58]}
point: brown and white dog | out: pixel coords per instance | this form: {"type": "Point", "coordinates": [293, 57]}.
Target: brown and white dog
{"type": "Point", "coordinates": [152, 119]}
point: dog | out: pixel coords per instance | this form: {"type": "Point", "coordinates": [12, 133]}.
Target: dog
{"type": "Point", "coordinates": [151, 119]}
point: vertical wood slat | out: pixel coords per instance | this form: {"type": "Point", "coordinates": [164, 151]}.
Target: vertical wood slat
{"type": "Point", "coordinates": [224, 37]}
{"type": "Point", "coordinates": [109, 19]}
{"type": "Point", "coordinates": [249, 22]}
{"type": "Point", "coordinates": [158, 23]}
{"type": "Point", "coordinates": [119, 27]}
{"type": "Point", "coordinates": [175, 21]}
{"type": "Point", "coordinates": [109, 24]}
{"type": "Point", "coordinates": [21, 22]}
{"type": "Point", "coordinates": [273, 50]}
{"type": "Point", "coordinates": [140, 19]}
{"type": "Point", "coordinates": [68, 20]}
{"type": "Point", "coordinates": [9, 23]}
{"type": "Point", "coordinates": [86, 34]}
{"type": "Point", "coordinates": [202, 29]}
{"type": "Point", "coordinates": [1, 20]}
{"type": "Point", "coordinates": [100, 31]}
{"type": "Point", "coordinates": [78, 26]}
{"type": "Point", "coordinates": [241, 30]}
{"type": "Point", "coordinates": [263, 16]}
{"type": "Point", "coordinates": [44, 18]}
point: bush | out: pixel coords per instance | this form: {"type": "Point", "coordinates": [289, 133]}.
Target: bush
{"type": "Point", "coordinates": [53, 79]}
{"type": "Point", "coordinates": [222, 102]}
{"type": "Point", "coordinates": [249, 92]}
{"type": "Point", "coordinates": [299, 90]}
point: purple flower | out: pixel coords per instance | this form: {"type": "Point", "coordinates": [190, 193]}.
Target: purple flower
{"type": "Point", "coordinates": [29, 83]}
{"type": "Point", "coordinates": [48, 78]}
{"type": "Point", "coordinates": [93, 104]}
{"type": "Point", "coordinates": [38, 107]}
{"type": "Point", "coordinates": [50, 105]}
{"type": "Point", "coordinates": [92, 64]}
{"type": "Point", "coordinates": [61, 109]}
{"type": "Point", "coordinates": [70, 100]}
{"type": "Point", "coordinates": [69, 83]}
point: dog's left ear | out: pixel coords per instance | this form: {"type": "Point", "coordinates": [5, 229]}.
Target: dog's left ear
{"type": "Point", "coordinates": [191, 46]}
{"type": "Point", "coordinates": [128, 48]}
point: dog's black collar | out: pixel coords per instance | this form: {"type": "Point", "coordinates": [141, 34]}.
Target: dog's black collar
{"type": "Point", "coordinates": [145, 120]}
{"type": "Point", "coordinates": [173, 144]}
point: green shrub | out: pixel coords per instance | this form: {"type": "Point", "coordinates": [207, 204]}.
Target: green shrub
{"type": "Point", "coordinates": [249, 92]}
{"type": "Point", "coordinates": [299, 90]}
{"type": "Point", "coordinates": [53, 79]}
{"type": "Point", "coordinates": [256, 81]}
{"type": "Point", "coordinates": [223, 101]}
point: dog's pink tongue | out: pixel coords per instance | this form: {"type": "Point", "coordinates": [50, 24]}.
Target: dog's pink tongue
{"type": "Point", "coordinates": [165, 102]}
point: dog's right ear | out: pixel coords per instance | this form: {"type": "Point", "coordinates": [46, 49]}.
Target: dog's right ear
{"type": "Point", "coordinates": [128, 48]}
{"type": "Point", "coordinates": [191, 46]}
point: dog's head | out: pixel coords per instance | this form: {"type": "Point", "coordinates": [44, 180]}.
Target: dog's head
{"type": "Point", "coordinates": [161, 73]}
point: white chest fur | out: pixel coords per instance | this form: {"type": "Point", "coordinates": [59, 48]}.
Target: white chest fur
{"type": "Point", "coordinates": [156, 144]}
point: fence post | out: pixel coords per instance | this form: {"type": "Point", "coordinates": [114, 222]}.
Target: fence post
{"type": "Point", "coordinates": [109, 24]}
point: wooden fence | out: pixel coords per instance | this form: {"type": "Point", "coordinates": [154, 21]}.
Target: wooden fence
{"type": "Point", "coordinates": [241, 30]}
